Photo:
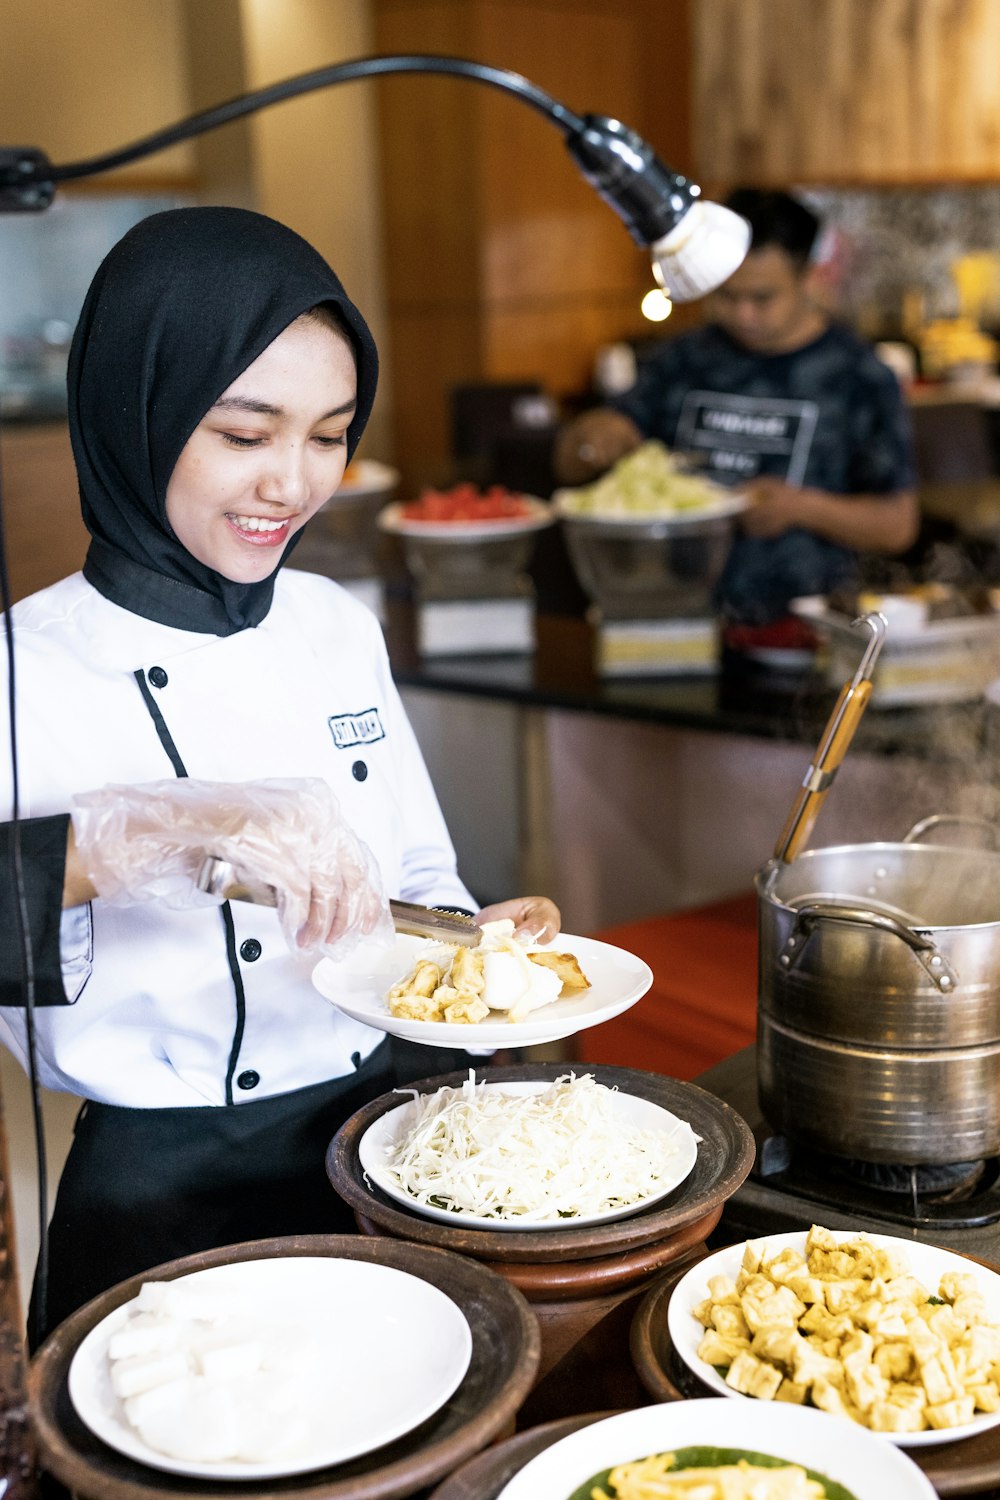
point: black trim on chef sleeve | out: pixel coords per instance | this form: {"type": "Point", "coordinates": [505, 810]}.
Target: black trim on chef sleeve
{"type": "Point", "coordinates": [43, 861]}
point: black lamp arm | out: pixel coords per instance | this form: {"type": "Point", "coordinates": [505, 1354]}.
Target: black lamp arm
{"type": "Point", "coordinates": [27, 168]}
{"type": "Point", "coordinates": [615, 160]}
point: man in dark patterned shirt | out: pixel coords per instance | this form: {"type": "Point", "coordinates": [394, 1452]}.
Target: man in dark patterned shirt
{"type": "Point", "coordinates": [780, 401]}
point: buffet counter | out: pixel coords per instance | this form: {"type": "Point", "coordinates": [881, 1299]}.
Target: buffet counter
{"type": "Point", "coordinates": [625, 799]}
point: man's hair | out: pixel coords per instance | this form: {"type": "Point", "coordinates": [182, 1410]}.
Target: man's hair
{"type": "Point", "coordinates": [776, 218]}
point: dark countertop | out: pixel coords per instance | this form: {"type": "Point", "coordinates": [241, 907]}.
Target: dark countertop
{"type": "Point", "coordinates": [742, 699]}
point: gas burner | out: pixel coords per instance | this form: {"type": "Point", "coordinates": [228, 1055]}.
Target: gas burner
{"type": "Point", "coordinates": [952, 1182]}
{"type": "Point", "coordinates": [956, 1195]}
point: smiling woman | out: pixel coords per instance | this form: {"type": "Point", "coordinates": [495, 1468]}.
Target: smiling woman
{"type": "Point", "coordinates": [185, 697]}
{"type": "Point", "coordinates": [267, 454]}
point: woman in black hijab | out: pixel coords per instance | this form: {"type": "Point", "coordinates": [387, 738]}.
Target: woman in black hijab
{"type": "Point", "coordinates": [182, 697]}
{"type": "Point", "coordinates": [181, 306]}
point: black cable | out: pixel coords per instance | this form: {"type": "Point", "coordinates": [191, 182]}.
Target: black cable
{"type": "Point", "coordinates": [27, 957]}
{"type": "Point", "coordinates": [303, 83]}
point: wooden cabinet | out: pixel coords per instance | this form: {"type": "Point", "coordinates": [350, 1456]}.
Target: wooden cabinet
{"type": "Point", "coordinates": [880, 91]}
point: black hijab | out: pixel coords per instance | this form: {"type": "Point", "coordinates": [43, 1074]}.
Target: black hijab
{"type": "Point", "coordinates": [177, 310]}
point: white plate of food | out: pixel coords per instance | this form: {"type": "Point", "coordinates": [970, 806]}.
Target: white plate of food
{"type": "Point", "coordinates": [649, 485]}
{"type": "Point", "coordinates": [263, 1368]}
{"type": "Point", "coordinates": [401, 519]}
{"type": "Point", "coordinates": [854, 1463]}
{"type": "Point", "coordinates": [718, 507]}
{"type": "Point", "coordinates": [528, 1155]}
{"type": "Point", "coordinates": [360, 986]}
{"type": "Point", "coordinates": [907, 1381]}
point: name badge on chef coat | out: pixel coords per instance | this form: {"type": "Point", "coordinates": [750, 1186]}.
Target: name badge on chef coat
{"type": "Point", "coordinates": [362, 728]}
{"type": "Point", "coordinates": [741, 432]}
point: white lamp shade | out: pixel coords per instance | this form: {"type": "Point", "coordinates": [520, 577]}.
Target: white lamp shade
{"type": "Point", "coordinates": [701, 252]}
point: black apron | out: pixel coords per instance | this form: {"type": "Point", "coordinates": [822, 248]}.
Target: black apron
{"type": "Point", "coordinates": [144, 1186]}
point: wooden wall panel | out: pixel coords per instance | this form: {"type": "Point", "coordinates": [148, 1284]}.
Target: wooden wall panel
{"type": "Point", "coordinates": [496, 248]}
{"type": "Point", "coordinates": [432, 349]}
{"type": "Point", "coordinates": [846, 90]}
{"type": "Point", "coordinates": [46, 538]}
{"type": "Point", "coordinates": [557, 337]}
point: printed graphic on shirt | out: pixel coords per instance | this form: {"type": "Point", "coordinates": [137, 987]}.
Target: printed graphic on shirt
{"type": "Point", "coordinates": [739, 432]}
{"type": "Point", "coordinates": [362, 728]}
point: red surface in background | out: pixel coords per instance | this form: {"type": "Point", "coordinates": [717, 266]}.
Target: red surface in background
{"type": "Point", "coordinates": [702, 1006]}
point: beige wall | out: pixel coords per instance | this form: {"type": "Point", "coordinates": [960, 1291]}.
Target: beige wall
{"type": "Point", "coordinates": [316, 158]}
{"type": "Point", "coordinates": [79, 77]}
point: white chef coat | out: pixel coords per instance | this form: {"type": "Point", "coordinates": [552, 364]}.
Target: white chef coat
{"type": "Point", "coordinates": [154, 1016]}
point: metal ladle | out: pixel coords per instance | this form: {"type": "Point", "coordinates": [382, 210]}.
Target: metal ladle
{"type": "Point", "coordinates": [839, 731]}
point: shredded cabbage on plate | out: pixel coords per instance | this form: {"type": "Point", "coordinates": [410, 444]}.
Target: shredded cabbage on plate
{"type": "Point", "coordinates": [561, 1153]}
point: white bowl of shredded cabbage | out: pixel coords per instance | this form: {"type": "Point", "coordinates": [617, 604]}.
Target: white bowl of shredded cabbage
{"type": "Point", "coordinates": [527, 1155]}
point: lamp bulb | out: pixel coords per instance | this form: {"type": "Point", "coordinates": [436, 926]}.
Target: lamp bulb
{"type": "Point", "coordinates": [701, 252]}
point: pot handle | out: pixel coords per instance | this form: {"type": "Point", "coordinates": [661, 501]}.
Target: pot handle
{"type": "Point", "coordinates": [924, 950]}
{"type": "Point", "coordinates": [935, 820]}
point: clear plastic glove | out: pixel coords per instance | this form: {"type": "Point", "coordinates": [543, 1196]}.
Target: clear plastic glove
{"type": "Point", "coordinates": [148, 843]}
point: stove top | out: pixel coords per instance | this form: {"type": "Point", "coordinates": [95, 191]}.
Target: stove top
{"type": "Point", "coordinates": [791, 1187]}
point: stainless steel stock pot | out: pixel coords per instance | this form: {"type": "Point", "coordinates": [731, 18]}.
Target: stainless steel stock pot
{"type": "Point", "coordinates": [878, 1033]}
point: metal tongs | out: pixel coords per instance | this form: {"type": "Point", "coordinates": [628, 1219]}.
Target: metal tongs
{"type": "Point", "coordinates": [219, 878]}
{"type": "Point", "coordinates": [837, 735]}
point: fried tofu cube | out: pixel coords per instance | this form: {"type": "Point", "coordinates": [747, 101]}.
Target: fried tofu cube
{"type": "Point", "coordinates": [937, 1376]}
{"type": "Point", "coordinates": [945, 1322]}
{"type": "Point", "coordinates": [983, 1344]}
{"type": "Point", "coordinates": [788, 1263]}
{"type": "Point", "coordinates": [752, 1377]}
{"type": "Point", "coordinates": [781, 1306]}
{"type": "Point", "coordinates": [809, 1289]}
{"type": "Point", "coordinates": [870, 1313]}
{"type": "Point", "coordinates": [753, 1254]}
{"type": "Point", "coordinates": [810, 1365]}
{"type": "Point", "coordinates": [703, 1312]}
{"type": "Point", "coordinates": [832, 1264]}
{"type": "Point", "coordinates": [719, 1352]}
{"type": "Point", "coordinates": [817, 1321]}
{"type": "Point", "coordinates": [888, 1416]}
{"type": "Point", "coordinates": [895, 1361]}
{"type": "Point", "coordinates": [777, 1345]}
{"type": "Point", "coordinates": [906, 1289]}
{"type": "Point", "coordinates": [986, 1395]}
{"type": "Point", "coordinates": [954, 1413]}
{"type": "Point", "coordinates": [908, 1394]}
{"type": "Point", "coordinates": [841, 1295]}
{"type": "Point", "coordinates": [955, 1284]}
{"type": "Point", "coordinates": [864, 1381]}
{"type": "Point", "coordinates": [730, 1322]}
{"type": "Point", "coordinates": [890, 1324]}
{"type": "Point", "coordinates": [859, 1343]}
{"type": "Point", "coordinates": [819, 1238]}
{"type": "Point", "coordinates": [829, 1398]}
{"type": "Point", "coordinates": [792, 1392]}
{"type": "Point", "coordinates": [971, 1308]}
{"type": "Point", "coordinates": [722, 1289]}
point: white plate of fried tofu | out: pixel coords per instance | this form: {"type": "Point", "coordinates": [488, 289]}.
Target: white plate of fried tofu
{"type": "Point", "coordinates": [900, 1337]}
{"type": "Point", "coordinates": [360, 987]}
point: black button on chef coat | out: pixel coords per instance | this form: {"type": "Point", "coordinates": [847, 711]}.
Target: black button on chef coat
{"type": "Point", "coordinates": [248, 1079]}
{"type": "Point", "coordinates": [250, 950]}
{"type": "Point", "coordinates": [158, 677]}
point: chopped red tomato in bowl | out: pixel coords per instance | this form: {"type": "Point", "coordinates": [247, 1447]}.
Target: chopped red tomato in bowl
{"type": "Point", "coordinates": [464, 502]}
